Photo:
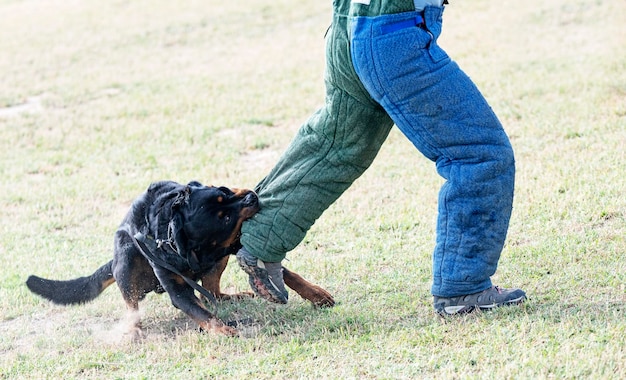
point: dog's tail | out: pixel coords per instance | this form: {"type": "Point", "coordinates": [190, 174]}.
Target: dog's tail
{"type": "Point", "coordinates": [79, 290]}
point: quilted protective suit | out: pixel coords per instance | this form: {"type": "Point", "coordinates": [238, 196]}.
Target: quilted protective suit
{"type": "Point", "coordinates": [384, 67]}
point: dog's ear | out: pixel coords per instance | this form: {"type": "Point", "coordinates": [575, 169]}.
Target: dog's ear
{"type": "Point", "coordinates": [181, 197]}
{"type": "Point", "coordinates": [164, 208]}
{"type": "Point", "coordinates": [177, 228]}
{"type": "Point", "coordinates": [195, 184]}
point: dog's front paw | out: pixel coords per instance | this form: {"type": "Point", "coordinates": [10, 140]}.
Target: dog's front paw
{"type": "Point", "coordinates": [318, 296]}
{"type": "Point", "coordinates": [216, 326]}
{"type": "Point", "coordinates": [323, 298]}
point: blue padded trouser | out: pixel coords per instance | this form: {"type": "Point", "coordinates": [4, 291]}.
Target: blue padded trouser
{"type": "Point", "coordinates": [405, 78]}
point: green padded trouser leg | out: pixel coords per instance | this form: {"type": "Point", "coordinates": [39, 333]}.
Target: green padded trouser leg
{"type": "Point", "coordinates": [330, 151]}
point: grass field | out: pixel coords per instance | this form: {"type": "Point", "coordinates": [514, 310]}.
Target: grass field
{"type": "Point", "coordinates": [98, 99]}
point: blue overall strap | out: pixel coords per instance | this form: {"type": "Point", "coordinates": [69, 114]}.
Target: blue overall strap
{"type": "Point", "coordinates": [421, 4]}
{"type": "Point", "coordinates": [410, 23]}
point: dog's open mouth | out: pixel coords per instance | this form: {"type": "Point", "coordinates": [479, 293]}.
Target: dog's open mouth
{"type": "Point", "coordinates": [250, 205]}
{"type": "Point", "coordinates": [238, 236]}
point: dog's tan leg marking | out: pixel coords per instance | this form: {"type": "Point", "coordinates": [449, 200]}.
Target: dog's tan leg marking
{"type": "Point", "coordinates": [317, 295]}
{"type": "Point", "coordinates": [211, 282]}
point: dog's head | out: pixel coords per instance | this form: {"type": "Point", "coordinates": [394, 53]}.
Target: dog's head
{"type": "Point", "coordinates": [207, 219]}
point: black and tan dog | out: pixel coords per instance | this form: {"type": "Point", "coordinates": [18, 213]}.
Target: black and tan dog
{"type": "Point", "coordinates": [173, 235]}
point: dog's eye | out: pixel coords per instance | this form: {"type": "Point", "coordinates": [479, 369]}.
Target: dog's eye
{"type": "Point", "coordinates": [224, 217]}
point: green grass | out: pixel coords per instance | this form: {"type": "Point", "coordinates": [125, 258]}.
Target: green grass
{"type": "Point", "coordinates": [98, 99]}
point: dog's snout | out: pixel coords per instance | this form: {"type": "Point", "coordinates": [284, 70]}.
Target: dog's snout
{"type": "Point", "coordinates": [251, 200]}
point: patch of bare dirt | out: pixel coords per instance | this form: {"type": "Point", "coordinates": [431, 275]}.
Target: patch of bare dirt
{"type": "Point", "coordinates": [30, 105]}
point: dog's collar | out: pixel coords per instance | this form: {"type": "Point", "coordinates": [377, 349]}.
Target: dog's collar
{"type": "Point", "coordinates": [168, 245]}
{"type": "Point", "coordinates": [147, 244]}
{"type": "Point", "coordinates": [152, 244]}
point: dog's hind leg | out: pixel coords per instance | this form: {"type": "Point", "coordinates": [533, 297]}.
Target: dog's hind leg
{"type": "Point", "coordinates": [135, 278]}
{"type": "Point", "coordinates": [134, 285]}
{"type": "Point", "coordinates": [211, 282]}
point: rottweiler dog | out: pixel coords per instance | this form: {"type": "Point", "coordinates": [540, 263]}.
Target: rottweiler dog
{"type": "Point", "coordinates": [173, 236]}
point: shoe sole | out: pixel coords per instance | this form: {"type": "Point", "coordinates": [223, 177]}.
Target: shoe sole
{"type": "Point", "coordinates": [260, 287]}
{"type": "Point", "coordinates": [464, 309]}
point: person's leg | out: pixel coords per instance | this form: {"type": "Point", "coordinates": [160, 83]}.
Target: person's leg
{"type": "Point", "coordinates": [445, 116]}
{"type": "Point", "coordinates": [331, 150]}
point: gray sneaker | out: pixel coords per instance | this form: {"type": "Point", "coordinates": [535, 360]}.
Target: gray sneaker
{"type": "Point", "coordinates": [485, 300]}
{"type": "Point", "coordinates": [266, 279]}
